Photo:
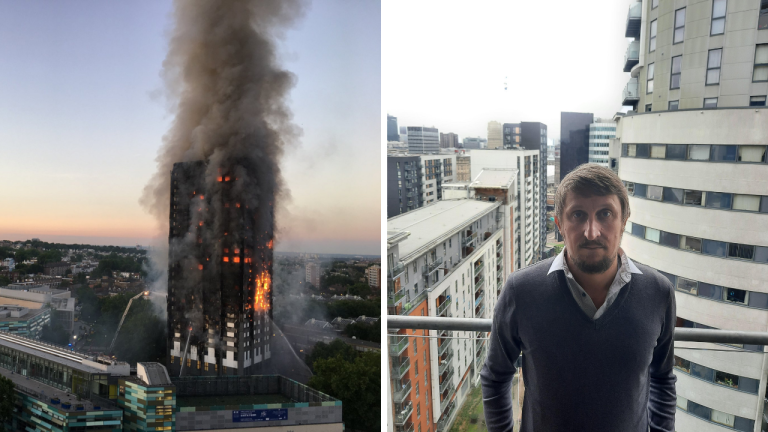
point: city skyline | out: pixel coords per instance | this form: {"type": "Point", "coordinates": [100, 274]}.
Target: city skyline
{"type": "Point", "coordinates": [86, 113]}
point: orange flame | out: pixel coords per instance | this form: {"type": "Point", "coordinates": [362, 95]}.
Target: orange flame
{"type": "Point", "coordinates": [219, 178]}
{"type": "Point", "coordinates": [263, 286]}
{"type": "Point", "coordinates": [199, 266]}
{"type": "Point", "coordinates": [226, 259]}
{"type": "Point", "coordinates": [237, 259]}
{"type": "Point", "coordinates": [269, 244]}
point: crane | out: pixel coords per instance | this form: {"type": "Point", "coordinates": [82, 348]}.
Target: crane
{"type": "Point", "coordinates": [143, 293]}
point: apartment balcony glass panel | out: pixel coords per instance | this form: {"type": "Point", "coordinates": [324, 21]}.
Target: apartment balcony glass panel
{"type": "Point", "coordinates": [442, 425]}
{"type": "Point", "coordinates": [444, 403]}
{"type": "Point", "coordinates": [403, 414]}
{"type": "Point", "coordinates": [479, 284]}
{"type": "Point", "coordinates": [633, 20]}
{"type": "Point", "coordinates": [401, 368]}
{"type": "Point", "coordinates": [395, 298]}
{"type": "Point", "coordinates": [431, 267]}
{"type": "Point", "coordinates": [408, 427]}
{"type": "Point", "coordinates": [444, 345]}
{"type": "Point", "coordinates": [479, 313]}
{"type": "Point", "coordinates": [445, 364]}
{"type": "Point", "coordinates": [631, 95]}
{"type": "Point", "coordinates": [444, 305]}
{"type": "Point", "coordinates": [447, 382]}
{"type": "Point", "coordinates": [479, 299]}
{"type": "Point", "coordinates": [632, 56]}
{"type": "Point", "coordinates": [401, 393]}
{"type": "Point", "coordinates": [396, 271]}
{"type": "Point", "coordinates": [479, 268]}
{"type": "Point", "coordinates": [397, 344]}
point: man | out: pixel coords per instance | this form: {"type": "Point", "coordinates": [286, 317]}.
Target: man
{"type": "Point", "coordinates": [595, 329]}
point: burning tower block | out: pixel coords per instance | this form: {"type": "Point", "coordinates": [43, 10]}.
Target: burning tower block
{"type": "Point", "coordinates": [219, 274]}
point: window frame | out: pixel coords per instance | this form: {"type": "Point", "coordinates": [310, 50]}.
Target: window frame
{"type": "Point", "coordinates": [713, 18]}
{"type": "Point", "coordinates": [719, 65]}
{"type": "Point", "coordinates": [754, 99]}
{"type": "Point", "coordinates": [652, 33]}
{"type": "Point", "coordinates": [675, 27]}
{"type": "Point", "coordinates": [755, 64]}
{"type": "Point", "coordinates": [677, 105]}
{"type": "Point", "coordinates": [673, 73]}
{"type": "Point", "coordinates": [649, 81]}
{"type": "Point", "coordinates": [704, 104]}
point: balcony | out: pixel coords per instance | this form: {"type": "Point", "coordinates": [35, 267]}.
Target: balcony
{"type": "Point", "coordinates": [444, 403]}
{"type": "Point", "coordinates": [479, 284]}
{"type": "Point", "coordinates": [633, 20]}
{"type": "Point", "coordinates": [478, 268]}
{"type": "Point", "coordinates": [469, 239]}
{"type": "Point", "coordinates": [444, 345]}
{"type": "Point", "coordinates": [401, 369]}
{"type": "Point", "coordinates": [395, 298]}
{"type": "Point", "coordinates": [401, 393]}
{"type": "Point", "coordinates": [442, 425]}
{"type": "Point", "coordinates": [445, 364]}
{"type": "Point", "coordinates": [479, 299]}
{"type": "Point", "coordinates": [429, 268]}
{"type": "Point", "coordinates": [632, 56]}
{"type": "Point", "coordinates": [479, 313]}
{"type": "Point", "coordinates": [631, 95]}
{"type": "Point", "coordinates": [447, 382]}
{"type": "Point", "coordinates": [396, 271]}
{"type": "Point", "coordinates": [404, 415]}
{"type": "Point", "coordinates": [408, 427]}
{"type": "Point", "coordinates": [444, 305]}
{"type": "Point", "coordinates": [397, 344]}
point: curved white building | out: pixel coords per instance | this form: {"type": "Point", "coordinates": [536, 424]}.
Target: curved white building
{"type": "Point", "coordinates": [692, 154]}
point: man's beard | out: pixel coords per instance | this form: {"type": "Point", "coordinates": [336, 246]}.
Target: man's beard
{"type": "Point", "coordinates": [594, 268]}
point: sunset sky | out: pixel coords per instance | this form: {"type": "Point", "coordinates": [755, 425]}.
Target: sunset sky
{"type": "Point", "coordinates": [82, 116]}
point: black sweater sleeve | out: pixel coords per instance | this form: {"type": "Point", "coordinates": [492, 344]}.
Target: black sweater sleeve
{"type": "Point", "coordinates": [662, 398]}
{"type": "Point", "coordinates": [499, 369]}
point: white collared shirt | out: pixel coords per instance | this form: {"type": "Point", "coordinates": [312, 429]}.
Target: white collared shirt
{"type": "Point", "coordinates": [623, 276]}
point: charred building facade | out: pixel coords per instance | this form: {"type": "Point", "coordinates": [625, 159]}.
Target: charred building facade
{"type": "Point", "coordinates": [219, 274]}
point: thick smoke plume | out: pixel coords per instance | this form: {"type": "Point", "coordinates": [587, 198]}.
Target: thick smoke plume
{"type": "Point", "coordinates": [227, 92]}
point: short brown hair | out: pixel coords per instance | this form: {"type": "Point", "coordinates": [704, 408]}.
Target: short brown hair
{"type": "Point", "coordinates": [592, 180]}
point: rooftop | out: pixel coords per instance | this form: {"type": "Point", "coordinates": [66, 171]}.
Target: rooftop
{"type": "Point", "coordinates": [45, 393]}
{"type": "Point", "coordinates": [495, 178]}
{"type": "Point", "coordinates": [431, 224]}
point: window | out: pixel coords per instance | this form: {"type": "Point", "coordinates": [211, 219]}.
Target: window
{"type": "Point", "coordinates": [654, 192]}
{"type": "Point", "coordinates": [699, 410]}
{"type": "Point", "coordinates": [692, 197]}
{"type": "Point", "coordinates": [654, 4]}
{"type": "Point", "coordinates": [652, 234]}
{"type": "Point", "coordinates": [702, 372]}
{"type": "Point", "coordinates": [698, 152]}
{"type": "Point", "coordinates": [713, 247]}
{"type": "Point", "coordinates": [638, 230]}
{"type": "Point", "coordinates": [724, 153]}
{"type": "Point", "coordinates": [676, 151]}
{"type": "Point", "coordinates": [757, 100]}
{"type": "Point", "coordinates": [418, 410]}
{"type": "Point", "coordinates": [643, 150]}
{"type": "Point", "coordinates": [746, 202]}
{"type": "Point", "coordinates": [673, 195]}
{"type": "Point", "coordinates": [673, 105]}
{"type": "Point", "coordinates": [640, 190]}
{"type": "Point", "coordinates": [764, 204]}
{"type": "Point", "coordinates": [762, 23]}
{"type": "Point", "coordinates": [631, 191]}
{"type": "Point", "coordinates": [736, 295]}
{"type": "Point", "coordinates": [669, 239]}
{"type": "Point", "coordinates": [658, 151]}
{"type": "Point", "coordinates": [690, 243]}
{"type": "Point", "coordinates": [713, 66]}
{"type": "Point", "coordinates": [719, 200]}
{"type": "Point", "coordinates": [751, 153]}
{"type": "Point", "coordinates": [682, 403]}
{"type": "Point", "coordinates": [748, 385]}
{"type": "Point", "coordinates": [628, 227]}
{"type": "Point", "coordinates": [710, 102]}
{"type": "Point", "coordinates": [649, 85]}
{"type": "Point", "coordinates": [722, 418]}
{"type": "Point", "coordinates": [648, 107]}
{"type": "Point", "coordinates": [710, 291]}
{"type": "Point", "coordinates": [679, 25]}
{"type": "Point", "coordinates": [741, 251]}
{"type": "Point", "coordinates": [677, 63]}
{"type": "Point", "coordinates": [687, 285]}
{"type": "Point", "coordinates": [760, 72]}
{"type": "Point", "coordinates": [761, 254]}
{"type": "Point", "coordinates": [653, 35]}
{"type": "Point", "coordinates": [718, 17]}
{"type": "Point", "coordinates": [682, 364]}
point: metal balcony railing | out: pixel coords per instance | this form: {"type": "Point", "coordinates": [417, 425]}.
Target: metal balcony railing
{"type": "Point", "coordinates": [393, 299]}
{"type": "Point", "coordinates": [632, 56]}
{"type": "Point", "coordinates": [479, 313]}
{"type": "Point", "coordinates": [404, 414]}
{"type": "Point", "coordinates": [445, 364]}
{"type": "Point", "coordinates": [479, 299]}
{"type": "Point", "coordinates": [444, 305]}
{"type": "Point", "coordinates": [499, 283]}
{"type": "Point", "coordinates": [408, 427]}
{"type": "Point", "coordinates": [444, 403]}
{"type": "Point", "coordinates": [397, 344]}
{"type": "Point", "coordinates": [479, 284]}
{"type": "Point", "coordinates": [431, 267]}
{"type": "Point", "coordinates": [448, 381]}
{"type": "Point", "coordinates": [634, 16]}
{"type": "Point", "coordinates": [479, 268]}
{"type": "Point", "coordinates": [402, 368]}
{"type": "Point", "coordinates": [442, 425]}
{"type": "Point", "coordinates": [396, 270]}
{"type": "Point", "coordinates": [469, 239]}
{"type": "Point", "coordinates": [400, 394]}
{"type": "Point", "coordinates": [444, 345]}
{"type": "Point", "coordinates": [631, 95]}
{"type": "Point", "coordinates": [682, 334]}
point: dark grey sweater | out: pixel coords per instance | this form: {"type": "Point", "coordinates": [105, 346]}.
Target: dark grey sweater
{"type": "Point", "coordinates": [611, 374]}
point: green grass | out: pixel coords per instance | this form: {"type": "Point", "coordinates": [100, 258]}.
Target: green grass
{"type": "Point", "coordinates": [473, 405]}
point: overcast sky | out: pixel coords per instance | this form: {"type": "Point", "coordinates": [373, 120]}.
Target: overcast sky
{"type": "Point", "coordinates": [81, 121]}
{"type": "Point", "coordinates": [445, 63]}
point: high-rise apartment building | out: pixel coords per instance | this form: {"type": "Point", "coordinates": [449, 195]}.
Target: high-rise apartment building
{"type": "Point", "coordinates": [447, 260]}
{"type": "Point", "coordinates": [312, 274]}
{"type": "Point", "coordinates": [600, 134]}
{"type": "Point", "coordinates": [373, 274]}
{"type": "Point", "coordinates": [392, 132]}
{"type": "Point", "coordinates": [449, 140]}
{"type": "Point", "coordinates": [534, 137]}
{"type": "Point", "coordinates": [423, 140]}
{"type": "Point", "coordinates": [693, 158]}
{"type": "Point", "coordinates": [475, 143]}
{"type": "Point", "coordinates": [530, 199]}
{"type": "Point", "coordinates": [574, 141]}
{"type": "Point", "coordinates": [463, 169]}
{"type": "Point", "coordinates": [219, 276]}
{"type": "Point", "coordinates": [494, 135]}
{"type": "Point", "coordinates": [511, 133]}
{"type": "Point", "coordinates": [417, 180]}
